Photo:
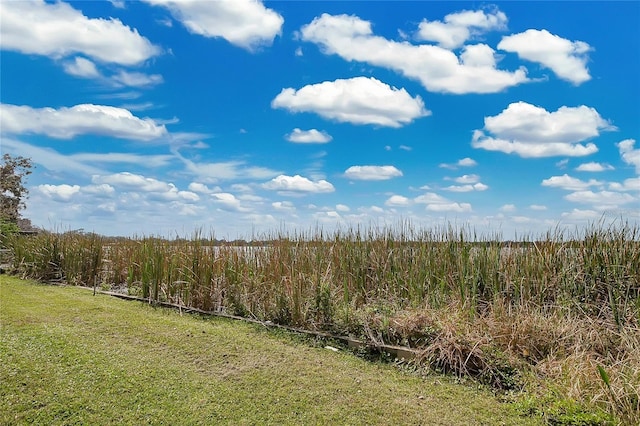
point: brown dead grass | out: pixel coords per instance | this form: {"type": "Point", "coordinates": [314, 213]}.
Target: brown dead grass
{"type": "Point", "coordinates": [542, 350]}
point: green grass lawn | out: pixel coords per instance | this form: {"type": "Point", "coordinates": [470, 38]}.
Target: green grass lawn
{"type": "Point", "coordinates": [68, 357]}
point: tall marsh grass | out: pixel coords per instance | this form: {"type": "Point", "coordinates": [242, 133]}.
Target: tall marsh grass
{"type": "Point", "coordinates": [472, 302]}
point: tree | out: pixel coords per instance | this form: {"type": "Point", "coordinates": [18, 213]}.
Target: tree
{"type": "Point", "coordinates": [13, 172]}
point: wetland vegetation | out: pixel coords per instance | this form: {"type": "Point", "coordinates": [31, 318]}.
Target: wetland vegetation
{"type": "Point", "coordinates": [551, 321]}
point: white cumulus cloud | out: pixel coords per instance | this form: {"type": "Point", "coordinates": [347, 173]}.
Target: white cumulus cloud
{"type": "Point", "coordinates": [286, 206]}
{"type": "Point", "coordinates": [228, 201]}
{"type": "Point", "coordinates": [531, 131]}
{"type": "Point", "coordinates": [133, 181]}
{"type": "Point", "coordinates": [459, 27]}
{"type": "Point", "coordinates": [101, 190]}
{"type": "Point", "coordinates": [397, 201]}
{"type": "Point", "coordinates": [81, 67]}
{"type": "Point", "coordinates": [62, 192]}
{"type": "Point", "coordinates": [592, 166]}
{"type": "Point", "coordinates": [570, 183]}
{"type": "Point", "coordinates": [566, 58]}
{"type": "Point", "coordinates": [57, 30]}
{"type": "Point", "coordinates": [359, 100]}
{"type": "Point", "coordinates": [372, 172]}
{"type": "Point", "coordinates": [201, 188]}
{"type": "Point", "coordinates": [463, 162]}
{"type": "Point", "coordinates": [578, 214]}
{"type": "Point", "coordinates": [630, 155]}
{"type": "Point", "coordinates": [436, 68]}
{"type": "Point", "coordinates": [244, 23]}
{"type": "Point", "coordinates": [601, 200]}
{"type": "Point", "coordinates": [66, 123]}
{"type": "Point", "coordinates": [466, 179]}
{"type": "Point", "coordinates": [298, 183]}
{"type": "Point", "coordinates": [631, 184]}
{"type": "Point", "coordinates": [150, 188]}
{"type": "Point", "coordinates": [479, 186]}
{"type": "Point", "coordinates": [308, 136]}
{"type": "Point", "coordinates": [438, 203]}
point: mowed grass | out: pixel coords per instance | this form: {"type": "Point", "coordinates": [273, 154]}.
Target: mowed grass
{"type": "Point", "coordinates": [68, 357]}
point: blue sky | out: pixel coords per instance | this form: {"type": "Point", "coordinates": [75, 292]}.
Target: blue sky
{"type": "Point", "coordinates": [162, 117]}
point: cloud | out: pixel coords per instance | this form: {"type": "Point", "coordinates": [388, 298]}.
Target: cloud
{"type": "Point", "coordinates": [125, 158]}
{"type": "Point", "coordinates": [57, 30]}
{"type": "Point", "coordinates": [48, 158]}
{"type": "Point", "coordinates": [201, 188]}
{"type": "Point", "coordinates": [466, 179]}
{"type": "Point", "coordinates": [507, 208]}
{"type": "Point", "coordinates": [437, 203]}
{"type": "Point", "coordinates": [372, 172]}
{"type": "Point", "coordinates": [397, 201]}
{"type": "Point", "coordinates": [631, 184]}
{"type": "Point", "coordinates": [479, 186]}
{"type": "Point", "coordinates": [286, 206]}
{"type": "Point", "coordinates": [308, 136]}
{"type": "Point", "coordinates": [466, 162]}
{"type": "Point", "coordinates": [577, 214]}
{"type": "Point", "coordinates": [84, 68]}
{"type": "Point", "coordinates": [226, 170]}
{"type": "Point", "coordinates": [153, 188]}
{"type": "Point", "coordinates": [401, 147]}
{"type": "Point", "coordinates": [62, 192]}
{"type": "Point", "coordinates": [136, 182]}
{"type": "Point", "coordinates": [459, 27]}
{"type": "Point", "coordinates": [101, 190]}
{"type": "Point", "coordinates": [359, 100]}
{"type": "Point", "coordinates": [463, 162]}
{"type": "Point", "coordinates": [594, 167]}
{"type": "Point", "coordinates": [436, 68]}
{"type": "Point", "coordinates": [83, 163]}
{"type": "Point", "coordinates": [66, 123]}
{"type": "Point", "coordinates": [538, 207]}
{"type": "Point", "coordinates": [450, 207]}
{"type": "Point", "coordinates": [601, 200]}
{"type": "Point", "coordinates": [298, 183]}
{"type": "Point", "coordinates": [570, 183]}
{"type": "Point", "coordinates": [81, 67]}
{"type": "Point", "coordinates": [532, 124]}
{"type": "Point", "coordinates": [135, 79]}
{"type": "Point", "coordinates": [567, 59]}
{"type": "Point", "coordinates": [244, 23]}
{"type": "Point", "coordinates": [630, 155]}
{"type": "Point", "coordinates": [227, 201]}
{"type": "Point", "coordinates": [531, 131]}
